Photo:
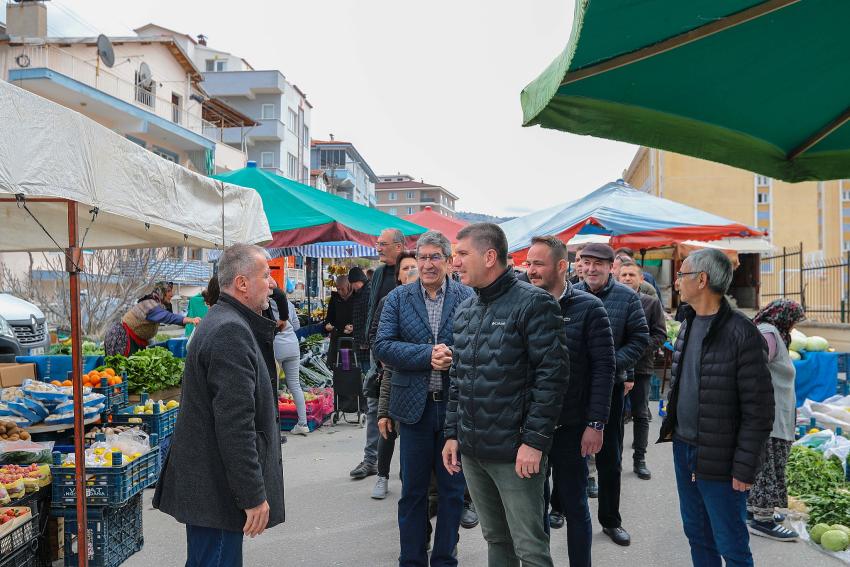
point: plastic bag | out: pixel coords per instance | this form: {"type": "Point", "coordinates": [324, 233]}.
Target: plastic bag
{"type": "Point", "coordinates": [25, 452]}
{"type": "Point", "coordinates": [89, 400]}
{"type": "Point", "coordinates": [130, 442]}
{"type": "Point", "coordinates": [828, 443]}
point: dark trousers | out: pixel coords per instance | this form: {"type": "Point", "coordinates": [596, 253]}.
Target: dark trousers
{"type": "Point", "coordinates": [609, 463]}
{"type": "Point", "coordinates": [640, 414]}
{"type": "Point", "coordinates": [569, 492]}
{"type": "Point", "coordinates": [714, 515]}
{"type": "Point", "coordinates": [420, 449]}
{"type": "Point", "coordinates": [210, 547]}
{"type": "Point", "coordinates": [386, 448]}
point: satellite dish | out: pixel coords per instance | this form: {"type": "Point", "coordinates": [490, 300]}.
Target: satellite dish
{"type": "Point", "coordinates": [104, 50]}
{"type": "Point", "coordinates": [145, 76]}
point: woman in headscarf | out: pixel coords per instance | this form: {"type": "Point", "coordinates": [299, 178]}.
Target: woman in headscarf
{"type": "Point", "coordinates": [141, 323]}
{"type": "Point", "coordinates": [769, 490]}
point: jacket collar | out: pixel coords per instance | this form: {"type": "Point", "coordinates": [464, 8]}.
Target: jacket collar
{"type": "Point", "coordinates": [498, 288]}
{"type": "Point", "coordinates": [569, 292]}
{"type": "Point", "coordinates": [716, 323]}
{"type": "Point", "coordinates": [261, 327]}
{"type": "Point", "coordinates": [602, 293]}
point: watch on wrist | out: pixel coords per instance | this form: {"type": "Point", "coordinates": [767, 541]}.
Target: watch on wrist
{"type": "Point", "coordinates": [596, 425]}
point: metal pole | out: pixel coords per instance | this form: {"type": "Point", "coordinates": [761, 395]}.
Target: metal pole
{"type": "Point", "coordinates": [802, 288]}
{"type": "Point", "coordinates": [846, 282]}
{"type": "Point", "coordinates": [72, 263]}
{"type": "Point", "coordinates": [784, 267]}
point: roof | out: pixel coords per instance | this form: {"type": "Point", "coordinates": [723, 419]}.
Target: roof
{"type": "Point", "coordinates": [435, 221]}
{"type": "Point", "coordinates": [151, 24]}
{"type": "Point", "coordinates": [217, 111]}
{"type": "Point", "coordinates": [302, 93]}
{"type": "Point", "coordinates": [388, 185]}
{"type": "Point", "coordinates": [348, 146]}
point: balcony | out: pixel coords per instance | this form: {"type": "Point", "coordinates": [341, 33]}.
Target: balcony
{"type": "Point", "coordinates": [228, 158]}
{"type": "Point", "coordinates": [117, 103]}
{"type": "Point", "coordinates": [341, 178]}
{"type": "Point", "coordinates": [243, 83]}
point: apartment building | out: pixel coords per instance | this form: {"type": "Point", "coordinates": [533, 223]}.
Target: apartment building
{"type": "Point", "coordinates": [402, 195]}
{"type": "Point", "coordinates": [344, 172]}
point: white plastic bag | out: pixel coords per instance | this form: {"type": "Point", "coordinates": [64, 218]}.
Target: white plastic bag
{"type": "Point", "coordinates": [828, 443]}
{"type": "Point", "coordinates": [130, 442]}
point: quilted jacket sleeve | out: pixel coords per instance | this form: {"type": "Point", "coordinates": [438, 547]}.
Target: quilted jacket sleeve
{"type": "Point", "coordinates": [389, 346]}
{"type": "Point", "coordinates": [550, 370]}
{"type": "Point", "coordinates": [600, 348]}
{"type": "Point", "coordinates": [636, 336]}
{"type": "Point", "coordinates": [450, 428]}
{"type": "Point", "coordinates": [755, 395]}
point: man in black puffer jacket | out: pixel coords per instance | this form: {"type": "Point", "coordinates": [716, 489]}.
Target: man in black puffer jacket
{"type": "Point", "coordinates": [720, 412]}
{"type": "Point", "coordinates": [586, 403]}
{"type": "Point", "coordinates": [631, 335]}
{"type": "Point", "coordinates": [509, 373]}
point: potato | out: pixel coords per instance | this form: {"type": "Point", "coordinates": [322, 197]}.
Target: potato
{"type": "Point", "coordinates": [24, 436]}
{"type": "Point", "coordinates": [14, 438]}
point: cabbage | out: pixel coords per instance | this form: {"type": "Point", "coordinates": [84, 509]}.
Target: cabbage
{"type": "Point", "coordinates": [796, 356]}
{"type": "Point", "coordinates": [835, 540]}
{"type": "Point", "coordinates": [817, 532]}
{"type": "Point", "coordinates": [798, 341]}
{"type": "Point", "coordinates": [816, 344]}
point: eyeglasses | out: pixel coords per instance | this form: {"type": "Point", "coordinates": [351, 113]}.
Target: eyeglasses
{"type": "Point", "coordinates": [382, 244]}
{"type": "Point", "coordinates": [680, 275]}
{"type": "Point", "coordinates": [435, 258]}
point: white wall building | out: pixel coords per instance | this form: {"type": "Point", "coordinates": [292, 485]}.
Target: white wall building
{"type": "Point", "coordinates": [346, 173]}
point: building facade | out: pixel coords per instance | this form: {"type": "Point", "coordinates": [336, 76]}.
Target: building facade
{"type": "Point", "coordinates": [344, 171]}
{"type": "Point", "coordinates": [401, 195]}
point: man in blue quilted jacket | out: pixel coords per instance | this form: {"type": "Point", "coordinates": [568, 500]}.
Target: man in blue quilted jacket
{"type": "Point", "coordinates": [414, 338]}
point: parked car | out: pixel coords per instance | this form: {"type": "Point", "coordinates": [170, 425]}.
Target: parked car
{"type": "Point", "coordinates": [9, 345]}
{"type": "Point", "coordinates": [27, 322]}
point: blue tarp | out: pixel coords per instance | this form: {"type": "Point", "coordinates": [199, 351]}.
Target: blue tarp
{"type": "Point", "coordinates": [817, 376]}
{"type": "Point", "coordinates": [56, 366]}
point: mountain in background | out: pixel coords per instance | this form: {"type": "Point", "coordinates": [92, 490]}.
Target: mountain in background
{"type": "Point", "coordinates": [481, 217]}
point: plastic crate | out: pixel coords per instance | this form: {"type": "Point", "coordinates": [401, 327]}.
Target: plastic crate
{"type": "Point", "coordinates": [117, 397]}
{"type": "Point", "coordinates": [20, 537]}
{"type": "Point", "coordinates": [25, 557]}
{"type": "Point", "coordinates": [107, 486]}
{"type": "Point", "coordinates": [114, 534]}
{"type": "Point", "coordinates": [161, 424]}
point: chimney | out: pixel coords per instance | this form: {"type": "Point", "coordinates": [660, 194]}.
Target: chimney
{"type": "Point", "coordinates": [332, 137]}
{"type": "Point", "coordinates": [27, 19]}
{"type": "Point", "coordinates": [202, 39]}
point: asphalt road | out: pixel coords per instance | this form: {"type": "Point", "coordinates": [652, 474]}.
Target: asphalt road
{"type": "Point", "coordinates": [332, 521]}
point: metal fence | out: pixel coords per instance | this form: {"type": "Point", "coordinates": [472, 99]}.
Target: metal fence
{"type": "Point", "coordinates": [821, 286]}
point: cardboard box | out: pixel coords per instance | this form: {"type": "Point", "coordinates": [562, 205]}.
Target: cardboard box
{"type": "Point", "coordinates": [14, 374]}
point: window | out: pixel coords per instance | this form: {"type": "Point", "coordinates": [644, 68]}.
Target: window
{"type": "Point", "coordinates": [267, 159]}
{"type": "Point", "coordinates": [214, 65]}
{"type": "Point", "coordinates": [762, 181]}
{"type": "Point", "coordinates": [306, 135]}
{"type": "Point", "coordinates": [293, 166]}
{"type": "Point", "coordinates": [763, 198]}
{"type": "Point", "coordinates": [305, 175]}
{"type": "Point", "coordinates": [410, 210]}
{"type": "Point", "coordinates": [176, 108]}
{"type": "Point", "coordinates": [331, 159]}
{"type": "Point", "coordinates": [293, 122]}
{"type": "Point", "coordinates": [267, 112]}
{"type": "Point", "coordinates": [196, 254]}
{"type": "Point", "coordinates": [411, 195]}
{"type": "Point", "coordinates": [165, 154]}
{"type": "Point", "coordinates": [846, 245]}
{"type": "Point", "coordinates": [763, 215]}
{"type": "Point", "coordinates": [145, 93]}
{"type": "Point", "coordinates": [845, 195]}
{"type": "Point", "coordinates": [393, 211]}
{"type": "Point", "coordinates": [392, 196]}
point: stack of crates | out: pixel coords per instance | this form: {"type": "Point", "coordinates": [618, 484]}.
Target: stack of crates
{"type": "Point", "coordinates": [159, 423]}
{"type": "Point", "coordinates": [114, 506]}
{"type": "Point", "coordinates": [117, 396]}
{"type": "Point", "coordinates": [19, 547]}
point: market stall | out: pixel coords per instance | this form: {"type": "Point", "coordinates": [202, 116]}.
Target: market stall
{"type": "Point", "coordinates": [75, 184]}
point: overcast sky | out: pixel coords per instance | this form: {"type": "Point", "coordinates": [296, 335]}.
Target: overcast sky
{"type": "Point", "coordinates": [430, 88]}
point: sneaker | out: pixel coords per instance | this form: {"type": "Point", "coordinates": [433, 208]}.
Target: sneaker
{"type": "Point", "coordinates": [641, 470]}
{"type": "Point", "coordinates": [772, 530]}
{"type": "Point", "coordinates": [778, 517]}
{"type": "Point", "coordinates": [363, 470]}
{"type": "Point", "coordinates": [300, 430]}
{"type": "Point", "coordinates": [592, 488]}
{"type": "Point", "coordinates": [469, 517]}
{"type": "Point", "coordinates": [556, 520]}
{"type": "Point", "coordinates": [381, 488]}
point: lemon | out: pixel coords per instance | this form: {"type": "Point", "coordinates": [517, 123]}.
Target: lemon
{"type": "Point", "coordinates": [814, 430]}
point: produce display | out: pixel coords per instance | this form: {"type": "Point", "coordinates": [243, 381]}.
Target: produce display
{"type": "Point", "coordinates": [800, 343]}
{"type": "Point", "coordinates": [19, 480]}
{"type": "Point", "coordinates": [148, 407]}
{"type": "Point", "coordinates": [90, 348]}
{"type": "Point", "coordinates": [152, 369]}
{"type": "Point", "coordinates": [673, 327]}
{"type": "Point", "coordinates": [130, 444]}
{"type": "Point", "coordinates": [35, 402]}
{"type": "Point", "coordinates": [94, 379]}
{"type": "Point", "coordinates": [312, 342]}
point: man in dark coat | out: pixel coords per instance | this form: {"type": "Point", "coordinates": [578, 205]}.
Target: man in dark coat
{"type": "Point", "coordinates": [223, 476]}
{"type": "Point", "coordinates": [585, 409]}
{"type": "Point", "coordinates": [415, 338]}
{"type": "Point", "coordinates": [631, 335]}
{"type": "Point", "coordinates": [720, 412]}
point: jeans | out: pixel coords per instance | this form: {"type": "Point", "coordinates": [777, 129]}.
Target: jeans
{"type": "Point", "coordinates": [373, 435]}
{"type": "Point", "coordinates": [609, 463]}
{"type": "Point", "coordinates": [510, 510]}
{"type": "Point", "coordinates": [210, 547]}
{"type": "Point", "coordinates": [291, 366]}
{"type": "Point", "coordinates": [386, 448]}
{"type": "Point", "coordinates": [714, 515]}
{"type": "Point", "coordinates": [640, 415]}
{"type": "Point", "coordinates": [420, 449]}
{"type": "Point", "coordinates": [569, 486]}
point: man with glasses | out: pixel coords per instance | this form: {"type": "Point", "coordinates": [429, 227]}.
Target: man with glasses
{"type": "Point", "coordinates": [390, 245]}
{"type": "Point", "coordinates": [414, 338]}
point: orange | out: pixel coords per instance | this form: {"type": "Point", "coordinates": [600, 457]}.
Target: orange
{"type": "Point", "coordinates": [110, 371]}
{"type": "Point", "coordinates": [118, 380]}
{"type": "Point", "coordinates": [55, 383]}
{"type": "Point", "coordinates": [67, 383]}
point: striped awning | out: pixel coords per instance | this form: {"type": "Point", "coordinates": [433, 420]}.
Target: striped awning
{"type": "Point", "coordinates": [345, 249]}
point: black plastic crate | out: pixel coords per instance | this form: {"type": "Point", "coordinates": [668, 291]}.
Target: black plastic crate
{"type": "Point", "coordinates": [25, 557]}
{"type": "Point", "coordinates": [114, 533]}
{"type": "Point", "coordinates": [107, 486]}
{"type": "Point", "coordinates": [20, 537]}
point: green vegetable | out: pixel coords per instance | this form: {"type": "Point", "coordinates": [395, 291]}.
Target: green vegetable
{"type": "Point", "coordinates": [843, 528]}
{"type": "Point", "coordinates": [830, 508]}
{"type": "Point", "coordinates": [151, 369]}
{"type": "Point", "coordinates": [835, 540]}
{"type": "Point", "coordinates": [808, 473]}
{"type": "Point", "coordinates": [673, 330]}
{"type": "Point", "coordinates": [816, 532]}
{"type": "Point", "coordinates": [311, 342]}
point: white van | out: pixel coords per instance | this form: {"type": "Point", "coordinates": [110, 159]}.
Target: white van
{"type": "Point", "coordinates": [28, 322]}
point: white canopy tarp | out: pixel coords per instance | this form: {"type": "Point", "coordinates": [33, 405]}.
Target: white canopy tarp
{"type": "Point", "coordinates": [50, 151]}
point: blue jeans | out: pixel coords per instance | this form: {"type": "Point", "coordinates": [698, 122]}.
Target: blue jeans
{"type": "Point", "coordinates": [714, 515]}
{"type": "Point", "coordinates": [569, 481]}
{"type": "Point", "coordinates": [210, 547]}
{"type": "Point", "coordinates": [421, 447]}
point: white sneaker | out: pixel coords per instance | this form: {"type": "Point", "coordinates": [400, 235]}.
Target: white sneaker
{"type": "Point", "coordinates": [300, 430]}
{"type": "Point", "coordinates": [381, 488]}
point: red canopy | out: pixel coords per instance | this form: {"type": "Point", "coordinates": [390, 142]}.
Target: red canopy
{"type": "Point", "coordinates": [435, 221]}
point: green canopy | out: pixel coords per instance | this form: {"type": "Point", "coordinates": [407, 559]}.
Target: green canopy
{"type": "Point", "coordinates": [760, 85]}
{"type": "Point", "coordinates": [299, 214]}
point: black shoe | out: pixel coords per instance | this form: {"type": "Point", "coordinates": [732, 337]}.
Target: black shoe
{"type": "Point", "coordinates": [469, 517]}
{"type": "Point", "coordinates": [641, 470]}
{"type": "Point", "coordinates": [618, 536]}
{"type": "Point", "coordinates": [363, 470]}
{"type": "Point", "coordinates": [592, 488]}
{"type": "Point", "coordinates": [556, 520]}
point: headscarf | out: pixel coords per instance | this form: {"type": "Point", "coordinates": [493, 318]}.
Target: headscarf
{"type": "Point", "coordinates": [159, 291]}
{"type": "Point", "coordinates": [782, 314]}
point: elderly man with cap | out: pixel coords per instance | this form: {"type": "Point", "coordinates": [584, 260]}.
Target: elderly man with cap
{"type": "Point", "coordinates": [631, 336]}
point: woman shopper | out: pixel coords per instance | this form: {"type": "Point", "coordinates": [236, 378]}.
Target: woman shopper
{"type": "Point", "coordinates": [287, 352]}
{"type": "Point", "coordinates": [141, 323]}
{"type": "Point", "coordinates": [406, 272]}
{"type": "Point", "coordinates": [769, 491]}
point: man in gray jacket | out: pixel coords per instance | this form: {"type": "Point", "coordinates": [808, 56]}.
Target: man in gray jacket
{"type": "Point", "coordinates": [223, 477]}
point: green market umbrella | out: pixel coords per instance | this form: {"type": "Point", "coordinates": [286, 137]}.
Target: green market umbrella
{"type": "Point", "coordinates": [760, 85]}
{"type": "Point", "coordinates": [299, 214]}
